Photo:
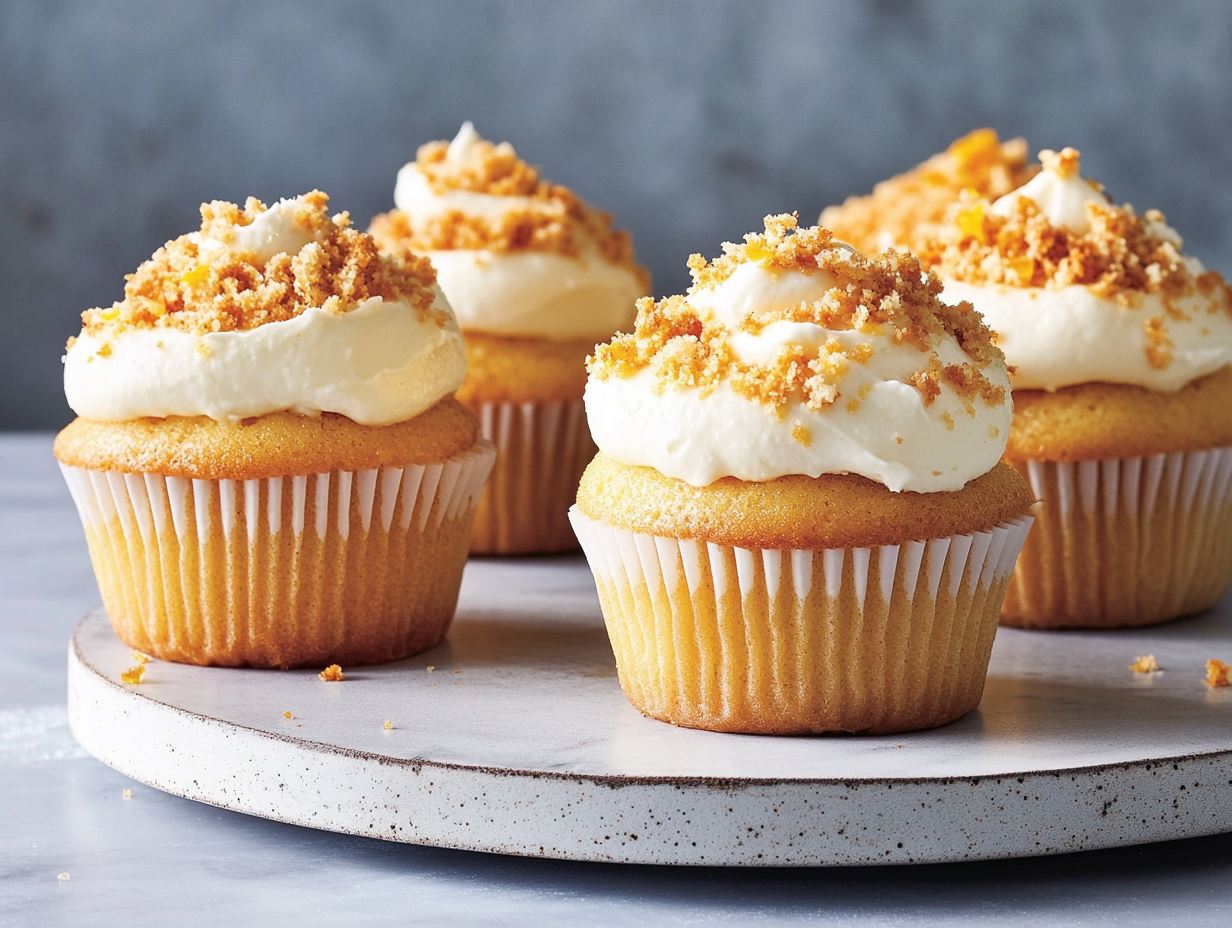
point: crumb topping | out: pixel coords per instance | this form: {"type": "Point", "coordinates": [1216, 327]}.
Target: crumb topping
{"type": "Point", "coordinates": [1217, 673]}
{"type": "Point", "coordinates": [887, 295]}
{"type": "Point", "coordinates": [899, 208]}
{"type": "Point", "coordinates": [1145, 664]}
{"type": "Point", "coordinates": [552, 217]}
{"type": "Point", "coordinates": [224, 290]}
{"type": "Point", "coordinates": [1121, 256]}
{"type": "Point", "coordinates": [332, 674]}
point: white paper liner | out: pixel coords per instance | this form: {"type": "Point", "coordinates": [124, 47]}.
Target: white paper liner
{"type": "Point", "coordinates": [1127, 541]}
{"type": "Point", "coordinates": [209, 566]}
{"type": "Point", "coordinates": [787, 641]}
{"type": "Point", "coordinates": [542, 450]}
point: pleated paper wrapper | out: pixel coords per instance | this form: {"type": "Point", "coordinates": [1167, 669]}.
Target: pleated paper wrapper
{"type": "Point", "coordinates": [345, 567]}
{"type": "Point", "coordinates": [1124, 542]}
{"type": "Point", "coordinates": [542, 450]}
{"type": "Point", "coordinates": [891, 638]}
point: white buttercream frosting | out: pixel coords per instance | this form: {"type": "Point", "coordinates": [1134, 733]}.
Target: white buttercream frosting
{"type": "Point", "coordinates": [377, 364]}
{"type": "Point", "coordinates": [523, 292]}
{"type": "Point", "coordinates": [381, 362]}
{"type": "Point", "coordinates": [1058, 338]}
{"type": "Point", "coordinates": [879, 426]}
{"type": "Point", "coordinates": [537, 294]}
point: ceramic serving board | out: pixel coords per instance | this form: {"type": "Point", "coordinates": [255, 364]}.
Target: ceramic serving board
{"type": "Point", "coordinates": [513, 737]}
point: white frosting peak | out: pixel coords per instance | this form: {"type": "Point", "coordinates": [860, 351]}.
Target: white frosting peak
{"type": "Point", "coordinates": [756, 290]}
{"type": "Point", "coordinates": [274, 231]}
{"type": "Point", "coordinates": [463, 144]}
{"type": "Point", "coordinates": [1062, 197]}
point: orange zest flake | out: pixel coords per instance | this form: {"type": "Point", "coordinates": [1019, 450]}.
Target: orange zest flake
{"type": "Point", "coordinates": [226, 290]}
{"type": "Point", "coordinates": [970, 222]}
{"type": "Point", "coordinates": [887, 295]}
{"type": "Point", "coordinates": [553, 218]}
{"type": "Point", "coordinates": [332, 674]}
{"type": "Point", "coordinates": [1217, 673]}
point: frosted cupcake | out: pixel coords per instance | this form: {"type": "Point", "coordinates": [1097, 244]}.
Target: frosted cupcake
{"type": "Point", "coordinates": [903, 208]}
{"type": "Point", "coordinates": [1120, 347]}
{"type": "Point", "coordinates": [797, 520]}
{"type": "Point", "coordinates": [536, 277]}
{"type": "Point", "coordinates": [268, 460]}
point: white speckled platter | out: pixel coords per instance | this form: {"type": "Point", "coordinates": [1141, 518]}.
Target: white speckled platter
{"type": "Point", "coordinates": [520, 742]}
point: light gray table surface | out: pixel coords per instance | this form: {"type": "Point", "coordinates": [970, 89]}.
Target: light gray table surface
{"type": "Point", "coordinates": [157, 859]}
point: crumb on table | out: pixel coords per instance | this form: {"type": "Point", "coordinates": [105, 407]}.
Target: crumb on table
{"type": "Point", "coordinates": [1217, 673]}
{"type": "Point", "coordinates": [134, 674]}
{"type": "Point", "coordinates": [332, 674]}
{"type": "Point", "coordinates": [1145, 664]}
{"type": "Point", "coordinates": [287, 715]}
{"type": "Point", "coordinates": [388, 725]}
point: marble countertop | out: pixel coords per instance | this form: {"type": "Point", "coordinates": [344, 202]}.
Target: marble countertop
{"type": "Point", "coordinates": [151, 858]}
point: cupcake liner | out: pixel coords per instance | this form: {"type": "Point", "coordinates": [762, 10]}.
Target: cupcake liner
{"type": "Point", "coordinates": [542, 450]}
{"type": "Point", "coordinates": [347, 566]}
{"type": "Point", "coordinates": [883, 639]}
{"type": "Point", "coordinates": [1123, 542]}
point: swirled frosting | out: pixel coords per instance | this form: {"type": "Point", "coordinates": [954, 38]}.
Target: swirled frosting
{"type": "Point", "coordinates": [1080, 290]}
{"type": "Point", "coordinates": [517, 256]}
{"type": "Point", "coordinates": [269, 310]}
{"type": "Point", "coordinates": [794, 354]}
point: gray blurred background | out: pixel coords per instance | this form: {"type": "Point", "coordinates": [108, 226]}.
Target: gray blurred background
{"type": "Point", "coordinates": [688, 120]}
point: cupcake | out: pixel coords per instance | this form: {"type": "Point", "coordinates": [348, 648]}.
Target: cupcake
{"type": "Point", "coordinates": [536, 277]}
{"type": "Point", "coordinates": [797, 521]}
{"type": "Point", "coordinates": [268, 460]}
{"type": "Point", "coordinates": [899, 209]}
{"type": "Point", "coordinates": [1120, 347]}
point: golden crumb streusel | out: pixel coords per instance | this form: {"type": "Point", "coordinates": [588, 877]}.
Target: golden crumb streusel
{"type": "Point", "coordinates": [1145, 663]}
{"type": "Point", "coordinates": [1120, 257]}
{"type": "Point", "coordinates": [552, 217]}
{"type": "Point", "coordinates": [898, 209]}
{"type": "Point", "coordinates": [1217, 673]}
{"type": "Point", "coordinates": [223, 289]}
{"type": "Point", "coordinates": [886, 295]}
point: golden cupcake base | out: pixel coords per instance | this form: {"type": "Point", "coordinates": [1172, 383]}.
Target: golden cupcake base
{"type": "Point", "coordinates": [542, 450]}
{"type": "Point", "coordinates": [769, 641]}
{"type": "Point", "coordinates": [1124, 542]}
{"type": "Point", "coordinates": [347, 567]}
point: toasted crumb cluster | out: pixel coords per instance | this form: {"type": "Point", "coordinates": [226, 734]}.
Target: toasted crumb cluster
{"type": "Point", "coordinates": [552, 219]}
{"type": "Point", "coordinates": [1217, 673]}
{"type": "Point", "coordinates": [226, 290]}
{"type": "Point", "coordinates": [884, 295]}
{"type": "Point", "coordinates": [1120, 257]}
{"type": "Point", "coordinates": [1146, 663]}
{"type": "Point", "coordinates": [332, 674]}
{"type": "Point", "coordinates": [135, 674]}
{"type": "Point", "coordinates": [898, 209]}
